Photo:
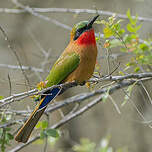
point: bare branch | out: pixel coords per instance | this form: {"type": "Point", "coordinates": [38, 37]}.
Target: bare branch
{"type": "Point", "coordinates": [31, 11]}
{"type": "Point", "coordinates": [147, 93]}
{"type": "Point", "coordinates": [127, 76]}
{"type": "Point", "coordinates": [29, 68]}
{"type": "Point", "coordinates": [20, 96]}
{"type": "Point", "coordinates": [10, 123]}
{"type": "Point", "coordinates": [75, 99]}
{"type": "Point", "coordinates": [10, 85]}
{"type": "Point", "coordinates": [36, 11]}
{"type": "Point", "coordinates": [115, 105]}
{"type": "Point", "coordinates": [15, 54]}
{"type": "Point", "coordinates": [70, 10]}
{"type": "Point", "coordinates": [67, 118]}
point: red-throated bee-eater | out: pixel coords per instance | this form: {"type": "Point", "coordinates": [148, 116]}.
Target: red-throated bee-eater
{"type": "Point", "coordinates": [76, 63]}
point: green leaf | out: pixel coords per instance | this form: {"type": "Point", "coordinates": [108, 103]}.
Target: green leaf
{"type": "Point", "coordinates": [143, 46]}
{"type": "Point", "coordinates": [136, 69]}
{"type": "Point", "coordinates": [128, 14]}
{"type": "Point", "coordinates": [122, 31]}
{"type": "Point", "coordinates": [1, 97]}
{"type": "Point", "coordinates": [52, 133]}
{"type": "Point", "coordinates": [9, 136]}
{"type": "Point", "coordinates": [130, 64]}
{"type": "Point", "coordinates": [85, 146]}
{"type": "Point", "coordinates": [132, 21]}
{"type": "Point", "coordinates": [138, 27]}
{"type": "Point", "coordinates": [130, 28]}
{"type": "Point", "coordinates": [7, 129]}
{"type": "Point", "coordinates": [44, 124]}
{"type": "Point", "coordinates": [116, 26]}
{"type": "Point", "coordinates": [134, 36]}
{"type": "Point", "coordinates": [127, 38]}
{"type": "Point", "coordinates": [107, 32]}
{"type": "Point", "coordinates": [42, 135]}
{"type": "Point", "coordinates": [39, 124]}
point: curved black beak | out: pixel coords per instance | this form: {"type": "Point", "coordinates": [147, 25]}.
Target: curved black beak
{"type": "Point", "coordinates": [86, 27]}
{"type": "Point", "coordinates": [92, 21]}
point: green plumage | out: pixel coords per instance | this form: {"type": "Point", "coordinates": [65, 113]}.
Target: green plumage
{"type": "Point", "coordinates": [81, 25]}
{"type": "Point", "coordinates": [62, 68]}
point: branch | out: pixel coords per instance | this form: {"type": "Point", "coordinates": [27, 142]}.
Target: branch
{"type": "Point", "coordinates": [74, 99]}
{"type": "Point", "coordinates": [36, 11]}
{"type": "Point", "coordinates": [70, 10]}
{"type": "Point", "coordinates": [15, 54]}
{"type": "Point", "coordinates": [119, 78]}
{"type": "Point", "coordinates": [20, 96]}
{"type": "Point", "coordinates": [11, 123]}
{"type": "Point", "coordinates": [30, 68]}
{"type": "Point", "coordinates": [67, 118]}
{"type": "Point", "coordinates": [31, 11]}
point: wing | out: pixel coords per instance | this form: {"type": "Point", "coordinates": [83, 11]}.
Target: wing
{"type": "Point", "coordinates": [61, 69]}
{"type": "Point", "coordinates": [66, 64]}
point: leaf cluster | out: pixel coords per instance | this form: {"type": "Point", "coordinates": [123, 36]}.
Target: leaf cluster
{"type": "Point", "coordinates": [5, 134]}
{"type": "Point", "coordinates": [128, 40]}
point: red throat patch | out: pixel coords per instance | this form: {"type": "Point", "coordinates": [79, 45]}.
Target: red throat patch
{"type": "Point", "coordinates": [87, 38]}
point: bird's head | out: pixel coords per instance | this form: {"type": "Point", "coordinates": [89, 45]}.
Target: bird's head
{"type": "Point", "coordinates": [83, 32]}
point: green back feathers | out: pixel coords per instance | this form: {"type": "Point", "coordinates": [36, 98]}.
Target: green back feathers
{"type": "Point", "coordinates": [66, 64]}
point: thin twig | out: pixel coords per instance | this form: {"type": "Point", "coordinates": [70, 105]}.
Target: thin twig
{"type": "Point", "coordinates": [133, 104]}
{"type": "Point", "coordinates": [115, 105]}
{"type": "Point", "coordinates": [119, 78]}
{"type": "Point", "coordinates": [11, 123]}
{"type": "Point", "coordinates": [10, 85]}
{"type": "Point", "coordinates": [16, 55]}
{"type": "Point", "coordinates": [149, 97]}
{"type": "Point", "coordinates": [20, 96]}
{"type": "Point", "coordinates": [108, 61]}
{"type": "Point", "coordinates": [28, 68]}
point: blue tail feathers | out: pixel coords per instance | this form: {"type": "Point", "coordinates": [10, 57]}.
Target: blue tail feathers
{"type": "Point", "coordinates": [51, 95]}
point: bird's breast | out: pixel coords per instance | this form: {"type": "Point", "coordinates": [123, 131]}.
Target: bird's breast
{"type": "Point", "coordinates": [84, 71]}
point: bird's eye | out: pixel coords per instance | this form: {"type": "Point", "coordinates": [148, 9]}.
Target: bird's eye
{"type": "Point", "coordinates": [79, 32]}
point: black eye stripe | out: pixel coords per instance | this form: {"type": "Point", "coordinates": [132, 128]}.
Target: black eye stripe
{"type": "Point", "coordinates": [80, 31]}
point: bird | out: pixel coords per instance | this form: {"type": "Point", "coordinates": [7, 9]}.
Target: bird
{"type": "Point", "coordinates": [76, 63]}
